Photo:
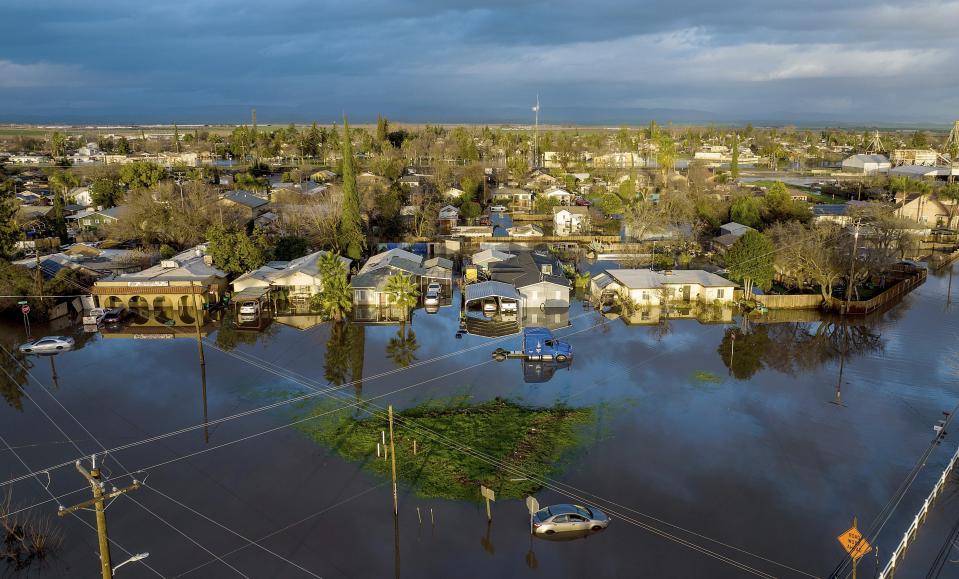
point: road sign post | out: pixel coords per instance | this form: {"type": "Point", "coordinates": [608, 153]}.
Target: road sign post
{"type": "Point", "coordinates": [489, 495]}
{"type": "Point", "coordinates": [854, 544]}
{"type": "Point", "coordinates": [532, 505]}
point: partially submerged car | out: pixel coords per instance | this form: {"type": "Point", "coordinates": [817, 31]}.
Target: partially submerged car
{"type": "Point", "coordinates": [568, 519]}
{"type": "Point", "coordinates": [48, 344]}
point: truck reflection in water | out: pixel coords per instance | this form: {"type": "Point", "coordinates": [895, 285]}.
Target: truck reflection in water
{"type": "Point", "coordinates": [538, 372]}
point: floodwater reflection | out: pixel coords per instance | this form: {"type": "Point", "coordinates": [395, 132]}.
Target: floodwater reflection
{"type": "Point", "coordinates": [791, 348]}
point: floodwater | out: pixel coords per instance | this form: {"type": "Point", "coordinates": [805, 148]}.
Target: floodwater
{"type": "Point", "coordinates": [717, 457]}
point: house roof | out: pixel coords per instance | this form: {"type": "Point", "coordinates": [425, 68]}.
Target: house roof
{"type": "Point", "coordinates": [527, 229]}
{"type": "Point", "coordinates": [526, 268]}
{"type": "Point", "coordinates": [649, 279]}
{"type": "Point", "coordinates": [375, 279]}
{"type": "Point", "coordinates": [490, 255]}
{"type": "Point", "coordinates": [736, 228]}
{"type": "Point", "coordinates": [556, 192]}
{"type": "Point", "coordinates": [573, 209]}
{"type": "Point", "coordinates": [189, 265]}
{"type": "Point", "coordinates": [486, 289]}
{"type": "Point", "coordinates": [825, 209]}
{"type": "Point", "coordinates": [245, 198]}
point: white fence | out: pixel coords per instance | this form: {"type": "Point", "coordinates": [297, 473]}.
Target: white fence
{"type": "Point", "coordinates": [910, 535]}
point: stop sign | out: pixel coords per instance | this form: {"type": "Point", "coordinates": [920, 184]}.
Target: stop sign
{"type": "Point", "coordinates": [25, 309]}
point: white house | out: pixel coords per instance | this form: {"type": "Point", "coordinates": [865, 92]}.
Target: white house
{"type": "Point", "coordinates": [866, 164]}
{"type": "Point", "coordinates": [454, 192]}
{"type": "Point", "coordinates": [562, 195]}
{"type": "Point", "coordinates": [572, 220]}
{"type": "Point", "coordinates": [484, 258]}
{"type": "Point", "coordinates": [651, 288]}
{"type": "Point", "coordinates": [300, 278]}
{"type": "Point", "coordinates": [81, 196]}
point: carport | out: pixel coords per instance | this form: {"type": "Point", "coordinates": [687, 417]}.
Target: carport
{"type": "Point", "coordinates": [492, 292]}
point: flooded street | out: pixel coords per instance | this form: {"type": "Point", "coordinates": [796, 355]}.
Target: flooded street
{"type": "Point", "coordinates": [716, 456]}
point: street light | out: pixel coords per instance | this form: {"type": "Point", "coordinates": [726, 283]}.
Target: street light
{"type": "Point", "coordinates": [137, 557]}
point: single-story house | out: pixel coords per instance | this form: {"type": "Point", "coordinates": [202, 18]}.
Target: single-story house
{"type": "Point", "coordinates": [299, 279]}
{"type": "Point", "coordinates": [248, 204]}
{"type": "Point", "coordinates": [729, 234]}
{"type": "Point", "coordinates": [369, 284]}
{"type": "Point", "coordinates": [169, 290]}
{"type": "Point", "coordinates": [453, 193]}
{"type": "Point", "coordinates": [559, 194]}
{"type": "Point", "coordinates": [81, 196]}
{"type": "Point", "coordinates": [836, 213]}
{"type": "Point", "coordinates": [90, 219]}
{"type": "Point", "coordinates": [525, 230]}
{"type": "Point", "coordinates": [537, 276]}
{"type": "Point", "coordinates": [571, 220]}
{"type": "Point", "coordinates": [651, 288]}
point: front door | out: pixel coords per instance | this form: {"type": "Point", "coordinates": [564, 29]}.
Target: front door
{"type": "Point", "coordinates": [686, 291]}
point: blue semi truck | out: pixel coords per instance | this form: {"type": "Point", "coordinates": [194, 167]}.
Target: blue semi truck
{"type": "Point", "coordinates": [538, 344]}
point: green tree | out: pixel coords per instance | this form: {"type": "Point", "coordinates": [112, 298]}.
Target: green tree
{"type": "Point", "coordinates": [351, 231]}
{"type": "Point", "coordinates": [745, 210]}
{"type": "Point", "coordinates": [10, 232]}
{"type": "Point", "coordinates": [471, 210]}
{"type": "Point", "coordinates": [58, 145]}
{"type": "Point", "coordinates": [289, 247]}
{"type": "Point", "coordinates": [122, 146]}
{"type": "Point", "coordinates": [734, 162]}
{"type": "Point", "coordinates": [141, 174]}
{"type": "Point", "coordinates": [382, 130]}
{"type": "Point", "coordinates": [750, 260]}
{"type": "Point", "coordinates": [335, 300]}
{"type": "Point", "coordinates": [402, 290]}
{"type": "Point", "coordinates": [666, 155]}
{"type": "Point", "coordinates": [233, 250]}
{"type": "Point", "coordinates": [106, 192]}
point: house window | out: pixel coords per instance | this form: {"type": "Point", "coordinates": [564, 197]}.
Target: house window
{"type": "Point", "coordinates": [720, 293]}
{"type": "Point", "coordinates": [557, 295]}
{"type": "Point", "coordinates": [645, 295]}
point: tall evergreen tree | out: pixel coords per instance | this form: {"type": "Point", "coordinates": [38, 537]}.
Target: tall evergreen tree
{"type": "Point", "coordinates": [734, 163]}
{"type": "Point", "coordinates": [351, 226]}
{"type": "Point", "coordinates": [10, 232]}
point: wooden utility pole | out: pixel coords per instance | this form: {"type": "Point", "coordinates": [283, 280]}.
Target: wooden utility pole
{"type": "Point", "coordinates": [393, 459]}
{"type": "Point", "coordinates": [93, 477]}
{"type": "Point", "coordinates": [196, 323]}
{"type": "Point", "coordinates": [852, 270]}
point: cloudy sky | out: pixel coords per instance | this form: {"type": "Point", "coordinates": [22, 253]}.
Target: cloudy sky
{"type": "Point", "coordinates": [591, 61]}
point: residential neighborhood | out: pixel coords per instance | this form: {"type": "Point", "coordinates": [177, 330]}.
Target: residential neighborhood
{"type": "Point", "coordinates": [527, 290]}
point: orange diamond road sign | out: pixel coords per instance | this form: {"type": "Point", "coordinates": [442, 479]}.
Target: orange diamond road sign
{"type": "Point", "coordinates": [854, 544]}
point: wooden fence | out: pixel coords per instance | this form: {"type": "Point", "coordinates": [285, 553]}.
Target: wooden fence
{"type": "Point", "coordinates": [893, 293]}
{"type": "Point", "coordinates": [940, 262]}
{"type": "Point", "coordinates": [790, 302]}
{"type": "Point", "coordinates": [890, 569]}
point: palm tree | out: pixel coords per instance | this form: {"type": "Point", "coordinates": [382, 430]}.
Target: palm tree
{"type": "Point", "coordinates": [402, 291]}
{"type": "Point", "coordinates": [335, 301]}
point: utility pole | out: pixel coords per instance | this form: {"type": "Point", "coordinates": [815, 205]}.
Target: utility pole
{"type": "Point", "coordinates": [852, 269]}
{"type": "Point", "coordinates": [536, 131]}
{"type": "Point", "coordinates": [96, 485]}
{"type": "Point", "coordinates": [36, 252]}
{"type": "Point", "coordinates": [196, 323]}
{"type": "Point", "coordinates": [393, 459]}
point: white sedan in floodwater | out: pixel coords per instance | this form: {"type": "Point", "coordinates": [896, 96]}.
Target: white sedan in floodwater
{"type": "Point", "coordinates": [48, 344]}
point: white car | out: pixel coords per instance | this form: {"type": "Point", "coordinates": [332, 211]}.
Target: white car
{"type": "Point", "coordinates": [497, 209]}
{"type": "Point", "coordinates": [48, 344]}
{"type": "Point", "coordinates": [249, 308]}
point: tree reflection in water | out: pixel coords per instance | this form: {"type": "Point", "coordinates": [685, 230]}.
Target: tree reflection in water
{"type": "Point", "coordinates": [794, 347]}
{"type": "Point", "coordinates": [344, 355]}
{"type": "Point", "coordinates": [402, 347]}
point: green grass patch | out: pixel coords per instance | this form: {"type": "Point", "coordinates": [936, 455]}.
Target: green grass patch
{"type": "Point", "coordinates": [830, 199]}
{"type": "Point", "coordinates": [531, 440]}
{"type": "Point", "coordinates": [707, 378]}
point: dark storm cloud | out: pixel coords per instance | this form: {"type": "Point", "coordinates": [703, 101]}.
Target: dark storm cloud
{"type": "Point", "coordinates": [597, 61]}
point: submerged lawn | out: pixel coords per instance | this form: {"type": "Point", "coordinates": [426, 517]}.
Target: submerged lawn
{"type": "Point", "coordinates": [530, 440]}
